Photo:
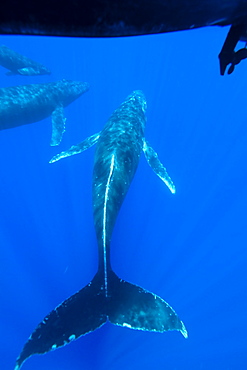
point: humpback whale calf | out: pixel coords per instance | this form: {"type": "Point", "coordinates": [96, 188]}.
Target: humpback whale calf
{"type": "Point", "coordinates": [21, 105]}
{"type": "Point", "coordinates": [19, 64]}
{"type": "Point", "coordinates": [107, 297]}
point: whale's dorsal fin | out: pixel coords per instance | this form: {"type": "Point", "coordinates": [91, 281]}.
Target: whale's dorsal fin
{"type": "Point", "coordinates": [76, 149]}
{"type": "Point", "coordinates": [157, 166]}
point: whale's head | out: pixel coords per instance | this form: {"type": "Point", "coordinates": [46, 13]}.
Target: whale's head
{"type": "Point", "coordinates": [68, 90]}
{"type": "Point", "coordinates": [139, 99]}
{"type": "Point", "coordinates": [137, 106]}
{"type": "Point", "coordinates": [42, 70]}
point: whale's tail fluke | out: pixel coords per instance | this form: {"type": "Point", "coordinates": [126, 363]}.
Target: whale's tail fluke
{"type": "Point", "coordinates": [134, 307]}
{"type": "Point", "coordinates": [126, 305]}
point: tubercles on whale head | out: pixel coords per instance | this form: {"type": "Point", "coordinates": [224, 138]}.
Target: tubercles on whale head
{"type": "Point", "coordinates": [44, 71]}
{"type": "Point", "coordinates": [136, 102]}
{"type": "Point", "coordinates": [138, 95]}
{"type": "Point", "coordinates": [69, 90]}
{"type": "Point", "coordinates": [75, 86]}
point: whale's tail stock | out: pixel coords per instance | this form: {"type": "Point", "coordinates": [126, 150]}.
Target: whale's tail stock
{"type": "Point", "coordinates": [125, 304]}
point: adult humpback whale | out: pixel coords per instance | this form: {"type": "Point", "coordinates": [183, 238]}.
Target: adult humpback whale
{"type": "Point", "coordinates": [107, 297]}
{"type": "Point", "coordinates": [20, 105]}
{"type": "Point", "coordinates": [19, 64]}
{"type": "Point", "coordinates": [109, 18]}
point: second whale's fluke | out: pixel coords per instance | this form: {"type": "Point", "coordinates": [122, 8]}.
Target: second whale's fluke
{"type": "Point", "coordinates": [107, 297]}
{"type": "Point", "coordinates": [24, 104]}
{"type": "Point", "coordinates": [19, 64]}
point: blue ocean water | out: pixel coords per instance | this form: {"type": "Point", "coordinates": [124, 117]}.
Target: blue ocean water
{"type": "Point", "coordinates": [189, 248]}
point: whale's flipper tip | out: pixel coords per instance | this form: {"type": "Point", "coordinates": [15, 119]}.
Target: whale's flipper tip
{"type": "Point", "coordinates": [157, 166]}
{"type": "Point", "coordinates": [77, 149]}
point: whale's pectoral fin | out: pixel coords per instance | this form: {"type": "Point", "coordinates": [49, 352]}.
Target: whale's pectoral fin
{"type": "Point", "coordinates": [157, 166]}
{"type": "Point", "coordinates": [76, 149]}
{"type": "Point", "coordinates": [58, 125]}
{"type": "Point", "coordinates": [134, 307]}
{"type": "Point", "coordinates": [28, 71]}
{"type": "Point", "coordinates": [78, 315]}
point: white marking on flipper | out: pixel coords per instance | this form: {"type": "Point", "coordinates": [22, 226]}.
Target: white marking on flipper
{"type": "Point", "coordinates": [28, 71]}
{"type": "Point", "coordinates": [104, 221]}
{"type": "Point", "coordinates": [157, 166]}
{"type": "Point", "coordinates": [77, 149]}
